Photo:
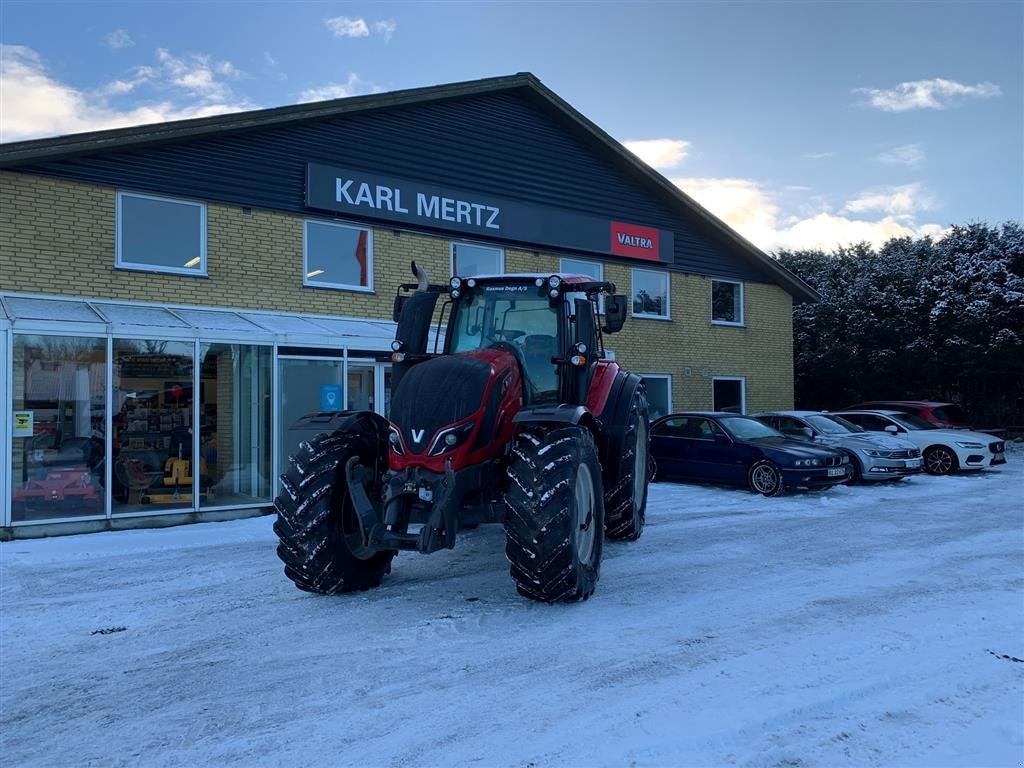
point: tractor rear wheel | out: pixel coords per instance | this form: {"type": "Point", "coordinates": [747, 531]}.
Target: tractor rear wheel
{"type": "Point", "coordinates": [555, 514]}
{"type": "Point", "coordinates": [320, 541]}
{"type": "Point", "coordinates": [625, 502]}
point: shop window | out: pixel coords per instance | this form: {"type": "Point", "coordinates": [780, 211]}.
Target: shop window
{"type": "Point", "coordinates": [337, 256]}
{"type": "Point", "coordinates": [234, 424]}
{"type": "Point", "coordinates": [659, 395]}
{"type": "Point", "coordinates": [158, 234]}
{"type": "Point", "coordinates": [650, 294]}
{"type": "Point", "coordinates": [471, 259]}
{"type": "Point", "coordinates": [59, 421]}
{"type": "Point", "coordinates": [726, 302]}
{"type": "Point", "coordinates": [729, 394]}
{"type": "Point", "coordinates": [153, 429]}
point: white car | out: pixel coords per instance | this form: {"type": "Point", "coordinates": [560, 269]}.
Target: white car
{"type": "Point", "coordinates": [944, 450]}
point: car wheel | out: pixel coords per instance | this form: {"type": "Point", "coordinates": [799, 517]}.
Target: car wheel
{"type": "Point", "coordinates": [857, 470]}
{"type": "Point", "coordinates": [939, 460]}
{"type": "Point", "coordinates": [765, 478]}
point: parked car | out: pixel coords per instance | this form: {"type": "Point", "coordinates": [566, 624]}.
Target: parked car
{"type": "Point", "coordinates": [728, 448]}
{"type": "Point", "coordinates": [873, 456]}
{"type": "Point", "coordinates": [944, 450]}
{"type": "Point", "coordinates": [947, 415]}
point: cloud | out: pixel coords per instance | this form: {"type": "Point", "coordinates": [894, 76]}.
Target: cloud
{"type": "Point", "coordinates": [118, 39]}
{"type": "Point", "coordinates": [659, 153]}
{"type": "Point", "coordinates": [343, 26]}
{"type": "Point", "coordinates": [895, 201]}
{"type": "Point", "coordinates": [385, 28]}
{"type": "Point", "coordinates": [936, 93]}
{"type": "Point", "coordinates": [36, 104]}
{"type": "Point", "coordinates": [353, 86]}
{"type": "Point", "coordinates": [819, 155]}
{"type": "Point", "coordinates": [749, 208]}
{"type": "Point", "coordinates": [910, 155]}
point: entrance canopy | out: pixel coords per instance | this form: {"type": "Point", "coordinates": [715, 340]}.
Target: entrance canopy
{"type": "Point", "coordinates": [29, 314]}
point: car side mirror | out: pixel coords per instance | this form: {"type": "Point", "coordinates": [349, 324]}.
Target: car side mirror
{"type": "Point", "coordinates": [721, 439]}
{"type": "Point", "coordinates": [614, 313]}
{"type": "Point", "coordinates": [808, 433]}
{"type": "Point", "coordinates": [892, 429]}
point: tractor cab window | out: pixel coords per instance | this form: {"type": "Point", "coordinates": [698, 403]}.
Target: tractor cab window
{"type": "Point", "coordinates": [506, 317]}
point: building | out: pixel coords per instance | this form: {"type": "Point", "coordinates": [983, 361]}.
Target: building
{"type": "Point", "coordinates": [235, 272]}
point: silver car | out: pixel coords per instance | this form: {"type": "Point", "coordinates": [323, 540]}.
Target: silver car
{"type": "Point", "coordinates": [874, 456]}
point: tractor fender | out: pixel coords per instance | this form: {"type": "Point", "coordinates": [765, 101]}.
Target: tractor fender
{"type": "Point", "coordinates": [558, 415]}
{"type": "Point", "coordinates": [610, 442]}
{"type": "Point", "coordinates": [312, 424]}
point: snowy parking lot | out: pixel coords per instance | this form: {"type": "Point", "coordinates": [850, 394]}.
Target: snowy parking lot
{"type": "Point", "coordinates": [878, 625]}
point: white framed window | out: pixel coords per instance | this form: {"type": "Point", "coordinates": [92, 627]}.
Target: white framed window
{"type": "Point", "coordinates": [651, 294]}
{"type": "Point", "coordinates": [337, 256]}
{"type": "Point", "coordinates": [729, 393]}
{"type": "Point", "coordinates": [160, 234]}
{"type": "Point", "coordinates": [592, 269]}
{"type": "Point", "coordinates": [474, 259]}
{"type": "Point", "coordinates": [659, 394]}
{"type": "Point", "coordinates": [726, 302]}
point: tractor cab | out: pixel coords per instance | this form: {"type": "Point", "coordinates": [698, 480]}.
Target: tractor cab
{"type": "Point", "coordinates": [549, 323]}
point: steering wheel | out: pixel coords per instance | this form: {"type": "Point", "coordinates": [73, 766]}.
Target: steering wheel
{"type": "Point", "coordinates": [508, 335]}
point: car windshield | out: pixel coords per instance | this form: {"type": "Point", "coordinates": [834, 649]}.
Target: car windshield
{"type": "Point", "coordinates": [909, 421]}
{"type": "Point", "coordinates": [518, 318]}
{"type": "Point", "coordinates": [742, 428]}
{"type": "Point", "coordinates": [831, 425]}
{"type": "Point", "coordinates": [952, 413]}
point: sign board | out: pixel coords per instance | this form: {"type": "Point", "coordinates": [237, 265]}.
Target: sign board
{"type": "Point", "coordinates": [374, 196]}
{"type": "Point", "coordinates": [330, 397]}
{"type": "Point", "coordinates": [23, 423]}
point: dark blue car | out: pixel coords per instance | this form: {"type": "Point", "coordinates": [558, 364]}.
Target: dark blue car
{"type": "Point", "coordinates": [728, 448]}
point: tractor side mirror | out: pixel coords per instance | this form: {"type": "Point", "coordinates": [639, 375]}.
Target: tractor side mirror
{"type": "Point", "coordinates": [396, 312]}
{"type": "Point", "coordinates": [614, 313]}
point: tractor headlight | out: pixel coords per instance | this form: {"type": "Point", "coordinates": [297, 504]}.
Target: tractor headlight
{"type": "Point", "coordinates": [395, 440]}
{"type": "Point", "coordinates": [450, 439]}
{"type": "Point", "coordinates": [471, 283]}
{"type": "Point", "coordinates": [554, 281]}
{"type": "Point", "coordinates": [539, 282]}
{"type": "Point", "coordinates": [455, 283]}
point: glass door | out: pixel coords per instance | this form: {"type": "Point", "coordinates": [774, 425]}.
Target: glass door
{"type": "Point", "coordinates": [305, 385]}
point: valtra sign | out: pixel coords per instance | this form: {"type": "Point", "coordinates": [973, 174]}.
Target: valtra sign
{"type": "Point", "coordinates": [635, 242]}
{"type": "Point", "coordinates": [370, 195]}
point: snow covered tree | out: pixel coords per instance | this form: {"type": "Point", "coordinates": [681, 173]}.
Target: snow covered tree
{"type": "Point", "coordinates": [916, 319]}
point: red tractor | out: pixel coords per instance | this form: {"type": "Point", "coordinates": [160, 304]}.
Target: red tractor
{"type": "Point", "coordinates": [521, 420]}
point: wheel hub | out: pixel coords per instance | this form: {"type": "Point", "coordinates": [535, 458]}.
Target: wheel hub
{"type": "Point", "coordinates": [583, 498]}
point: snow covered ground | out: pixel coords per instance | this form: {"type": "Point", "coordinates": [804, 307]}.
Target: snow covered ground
{"type": "Point", "coordinates": [858, 626]}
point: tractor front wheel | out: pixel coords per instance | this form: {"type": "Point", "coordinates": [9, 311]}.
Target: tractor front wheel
{"type": "Point", "coordinates": [320, 541]}
{"type": "Point", "coordinates": [555, 514]}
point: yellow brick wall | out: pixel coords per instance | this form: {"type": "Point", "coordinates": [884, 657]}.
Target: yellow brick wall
{"type": "Point", "coordinates": [57, 237]}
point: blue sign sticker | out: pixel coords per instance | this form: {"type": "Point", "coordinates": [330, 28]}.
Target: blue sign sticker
{"type": "Point", "coordinates": [330, 397]}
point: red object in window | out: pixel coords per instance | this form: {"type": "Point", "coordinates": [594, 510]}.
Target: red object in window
{"type": "Point", "coordinates": [361, 257]}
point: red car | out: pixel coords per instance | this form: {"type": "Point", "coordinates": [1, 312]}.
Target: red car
{"type": "Point", "coordinates": [946, 415]}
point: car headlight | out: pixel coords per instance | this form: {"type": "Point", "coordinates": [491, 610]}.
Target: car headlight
{"type": "Point", "coordinates": [878, 454]}
{"type": "Point", "coordinates": [807, 462]}
{"type": "Point", "coordinates": [970, 445]}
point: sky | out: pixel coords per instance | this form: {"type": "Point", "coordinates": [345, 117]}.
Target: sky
{"type": "Point", "coordinates": [803, 125]}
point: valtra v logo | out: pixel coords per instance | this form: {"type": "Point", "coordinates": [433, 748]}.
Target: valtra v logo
{"type": "Point", "coordinates": [417, 435]}
{"type": "Point", "coordinates": [635, 241]}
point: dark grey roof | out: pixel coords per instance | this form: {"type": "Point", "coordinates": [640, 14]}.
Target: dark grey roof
{"type": "Point", "coordinates": [21, 153]}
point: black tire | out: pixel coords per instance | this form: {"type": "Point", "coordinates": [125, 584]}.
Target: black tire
{"type": "Point", "coordinates": [316, 523]}
{"type": "Point", "coordinates": [765, 477]}
{"type": "Point", "coordinates": [553, 557]}
{"type": "Point", "coordinates": [625, 502]}
{"type": "Point", "coordinates": [940, 460]}
{"type": "Point", "coordinates": [857, 470]}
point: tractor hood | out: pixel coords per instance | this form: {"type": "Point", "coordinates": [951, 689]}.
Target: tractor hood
{"type": "Point", "coordinates": [469, 395]}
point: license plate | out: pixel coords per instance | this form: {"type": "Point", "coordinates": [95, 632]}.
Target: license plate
{"type": "Point", "coordinates": [837, 472]}
{"type": "Point", "coordinates": [913, 463]}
